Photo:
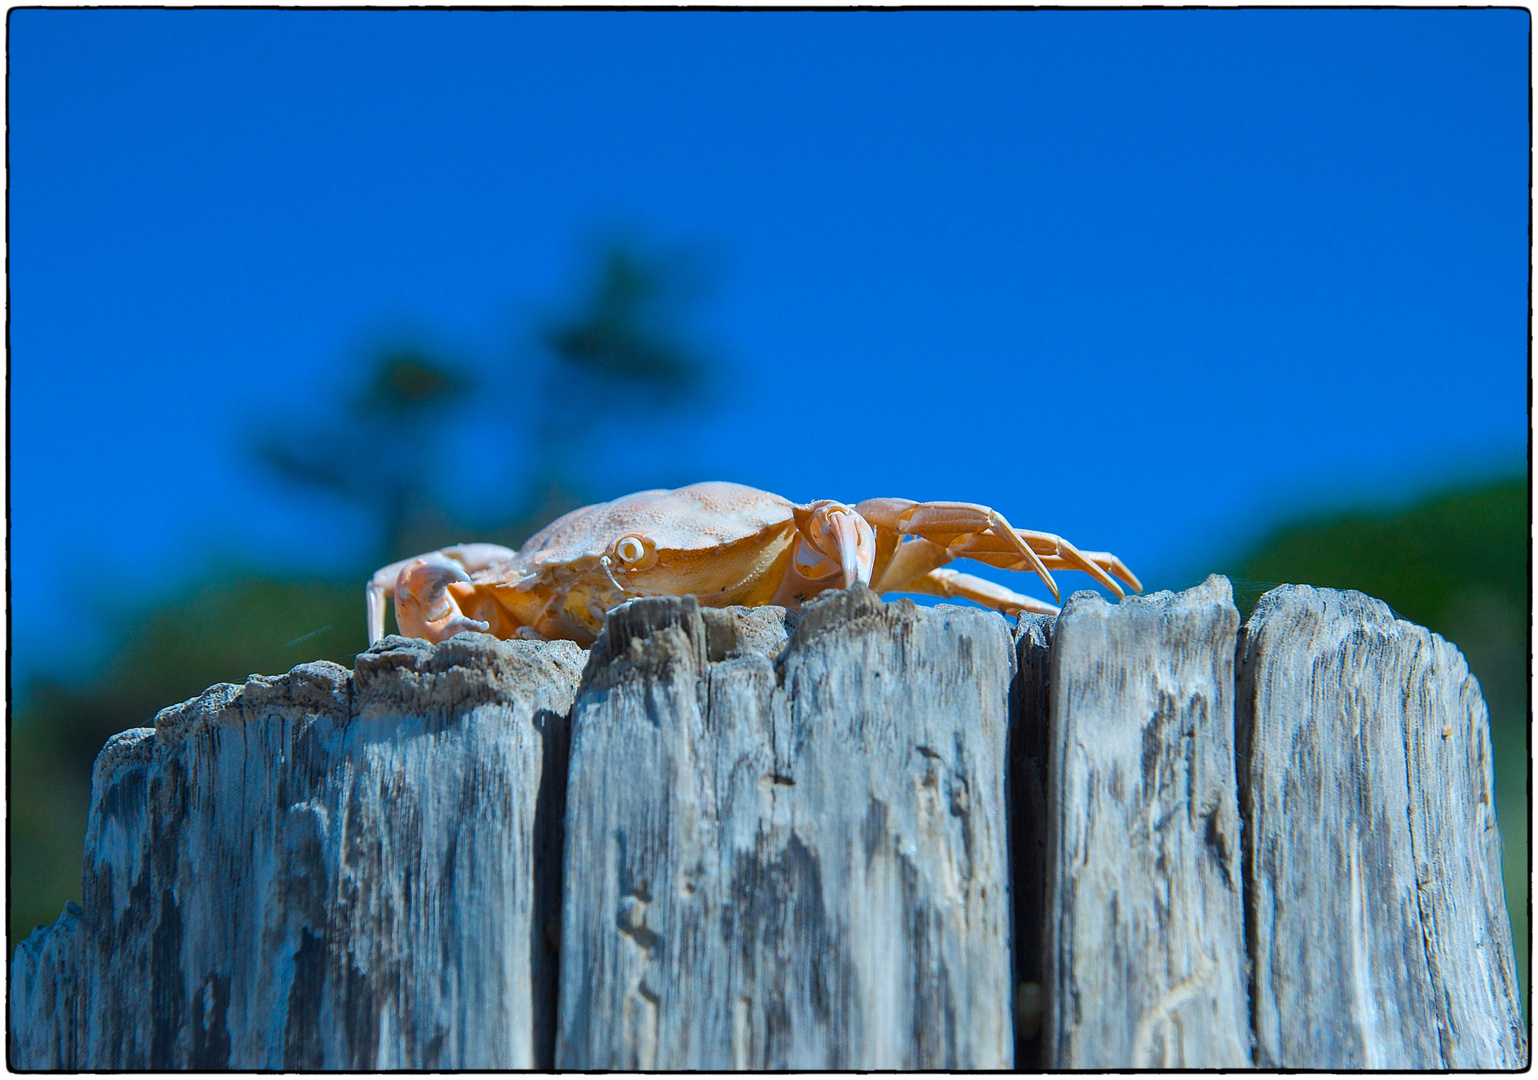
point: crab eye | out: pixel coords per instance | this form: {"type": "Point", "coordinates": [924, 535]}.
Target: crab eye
{"type": "Point", "coordinates": [629, 549]}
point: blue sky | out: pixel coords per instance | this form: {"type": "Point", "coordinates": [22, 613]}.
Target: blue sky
{"type": "Point", "coordinates": [1151, 280]}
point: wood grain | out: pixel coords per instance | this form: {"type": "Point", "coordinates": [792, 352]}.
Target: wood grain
{"type": "Point", "coordinates": [320, 870]}
{"type": "Point", "coordinates": [1145, 961]}
{"type": "Point", "coordinates": [1377, 920]}
{"type": "Point", "coordinates": [870, 837]}
{"type": "Point", "coordinates": [795, 861]}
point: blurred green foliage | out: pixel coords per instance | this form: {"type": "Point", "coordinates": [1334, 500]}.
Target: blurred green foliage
{"type": "Point", "coordinates": [221, 632]}
{"type": "Point", "coordinates": [620, 328]}
{"type": "Point", "coordinates": [1458, 563]}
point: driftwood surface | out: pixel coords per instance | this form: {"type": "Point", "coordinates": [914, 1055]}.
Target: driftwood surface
{"type": "Point", "coordinates": [791, 864]}
{"type": "Point", "coordinates": [1146, 968]}
{"type": "Point", "coordinates": [1377, 919]}
{"type": "Point", "coordinates": [872, 837]}
{"type": "Point", "coordinates": [324, 870]}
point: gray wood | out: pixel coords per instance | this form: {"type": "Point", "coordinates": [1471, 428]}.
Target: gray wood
{"type": "Point", "coordinates": [320, 870]}
{"type": "Point", "coordinates": [791, 862]}
{"type": "Point", "coordinates": [1145, 962]}
{"type": "Point", "coordinates": [806, 843]}
{"type": "Point", "coordinates": [1377, 921]}
{"type": "Point", "coordinates": [44, 996]}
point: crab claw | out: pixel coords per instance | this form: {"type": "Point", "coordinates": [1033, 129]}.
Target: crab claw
{"type": "Point", "coordinates": [842, 536]}
{"type": "Point", "coordinates": [856, 544]}
{"type": "Point", "coordinates": [424, 605]}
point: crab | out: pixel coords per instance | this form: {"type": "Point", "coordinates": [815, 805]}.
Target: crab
{"type": "Point", "coordinates": [724, 544]}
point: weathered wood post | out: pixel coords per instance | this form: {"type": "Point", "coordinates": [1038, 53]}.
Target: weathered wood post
{"type": "Point", "coordinates": [789, 864]}
{"type": "Point", "coordinates": [1377, 921]}
{"type": "Point", "coordinates": [835, 842]}
{"type": "Point", "coordinates": [323, 870]}
{"type": "Point", "coordinates": [1145, 933]}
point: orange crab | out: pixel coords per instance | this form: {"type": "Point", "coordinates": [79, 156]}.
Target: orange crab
{"type": "Point", "coordinates": [725, 544]}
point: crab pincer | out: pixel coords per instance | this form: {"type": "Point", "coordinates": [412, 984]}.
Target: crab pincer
{"type": "Point", "coordinates": [425, 605]}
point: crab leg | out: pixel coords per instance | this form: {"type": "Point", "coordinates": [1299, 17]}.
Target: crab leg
{"type": "Point", "coordinates": [1110, 563]}
{"type": "Point", "coordinates": [968, 530]}
{"type": "Point", "coordinates": [917, 556]}
{"type": "Point", "coordinates": [953, 583]}
{"type": "Point", "coordinates": [1056, 552]}
{"type": "Point", "coordinates": [911, 560]}
{"type": "Point", "coordinates": [947, 522]}
{"type": "Point", "coordinates": [1008, 560]}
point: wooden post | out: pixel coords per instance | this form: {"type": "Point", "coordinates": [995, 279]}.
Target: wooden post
{"type": "Point", "coordinates": [45, 1027]}
{"type": "Point", "coordinates": [1145, 954]}
{"type": "Point", "coordinates": [789, 864]}
{"type": "Point", "coordinates": [320, 871]}
{"type": "Point", "coordinates": [874, 837]}
{"type": "Point", "coordinates": [1377, 922]}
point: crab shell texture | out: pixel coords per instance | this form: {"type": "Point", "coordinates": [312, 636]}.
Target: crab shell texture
{"type": "Point", "coordinates": [724, 543]}
{"type": "Point", "coordinates": [721, 542]}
